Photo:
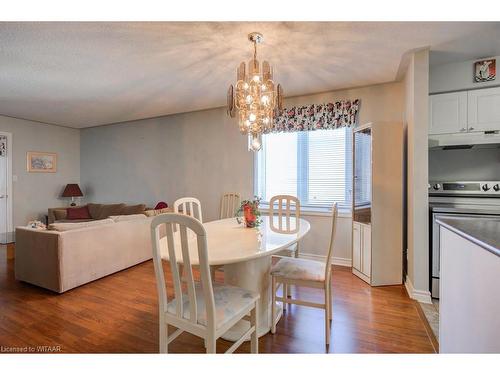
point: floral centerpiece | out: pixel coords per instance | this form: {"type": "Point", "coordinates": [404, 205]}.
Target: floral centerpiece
{"type": "Point", "coordinates": [249, 213]}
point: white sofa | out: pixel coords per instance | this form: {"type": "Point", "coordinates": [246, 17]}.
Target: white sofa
{"type": "Point", "coordinates": [60, 261]}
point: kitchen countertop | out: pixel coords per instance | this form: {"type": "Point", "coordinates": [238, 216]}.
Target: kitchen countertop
{"type": "Point", "coordinates": [483, 232]}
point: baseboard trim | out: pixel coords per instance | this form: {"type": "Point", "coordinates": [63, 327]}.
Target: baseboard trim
{"type": "Point", "coordinates": [422, 296]}
{"type": "Point", "coordinates": [345, 262]}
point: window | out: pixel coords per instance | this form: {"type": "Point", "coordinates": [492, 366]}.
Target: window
{"type": "Point", "coordinates": [315, 166]}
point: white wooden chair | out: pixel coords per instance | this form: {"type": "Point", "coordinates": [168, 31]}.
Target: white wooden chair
{"type": "Point", "coordinates": [208, 310]}
{"type": "Point", "coordinates": [229, 203]}
{"type": "Point", "coordinates": [189, 206]}
{"type": "Point", "coordinates": [287, 206]}
{"type": "Point", "coordinates": [309, 273]}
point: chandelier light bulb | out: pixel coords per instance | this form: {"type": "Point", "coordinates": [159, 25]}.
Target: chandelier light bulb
{"type": "Point", "coordinates": [256, 78]}
{"type": "Point", "coordinates": [266, 120]}
{"type": "Point", "coordinates": [265, 100]}
{"type": "Point", "coordinates": [252, 117]}
{"type": "Point", "coordinates": [249, 99]}
{"type": "Point", "coordinates": [245, 86]}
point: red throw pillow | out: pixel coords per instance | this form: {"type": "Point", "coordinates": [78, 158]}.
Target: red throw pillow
{"type": "Point", "coordinates": [78, 213]}
{"type": "Point", "coordinates": [161, 205]}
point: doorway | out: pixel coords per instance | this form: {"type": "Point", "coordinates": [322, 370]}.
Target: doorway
{"type": "Point", "coordinates": [5, 182]}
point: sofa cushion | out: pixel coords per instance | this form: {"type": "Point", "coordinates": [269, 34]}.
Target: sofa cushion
{"type": "Point", "coordinates": [78, 213]}
{"type": "Point", "coordinates": [133, 210]}
{"type": "Point", "coordinates": [60, 214]}
{"type": "Point", "coordinates": [63, 227]}
{"type": "Point", "coordinates": [119, 218]}
{"type": "Point", "coordinates": [94, 209]}
{"type": "Point", "coordinates": [158, 212]}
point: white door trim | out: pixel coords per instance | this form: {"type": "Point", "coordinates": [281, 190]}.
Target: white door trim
{"type": "Point", "coordinates": [10, 226]}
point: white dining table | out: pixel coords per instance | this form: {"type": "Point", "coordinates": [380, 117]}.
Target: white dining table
{"type": "Point", "coordinates": [245, 254]}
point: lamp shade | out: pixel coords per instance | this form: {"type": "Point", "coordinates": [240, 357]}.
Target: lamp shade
{"type": "Point", "coordinates": [72, 190]}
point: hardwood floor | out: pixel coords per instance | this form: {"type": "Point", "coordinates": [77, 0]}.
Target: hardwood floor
{"type": "Point", "coordinates": [118, 314]}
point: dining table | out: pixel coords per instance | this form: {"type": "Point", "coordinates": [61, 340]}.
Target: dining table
{"type": "Point", "coordinates": [246, 257]}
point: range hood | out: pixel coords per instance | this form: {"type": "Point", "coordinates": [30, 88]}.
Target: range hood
{"type": "Point", "coordinates": [464, 141]}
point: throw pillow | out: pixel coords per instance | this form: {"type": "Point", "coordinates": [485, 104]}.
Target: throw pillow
{"type": "Point", "coordinates": [119, 218]}
{"type": "Point", "coordinates": [60, 214]}
{"type": "Point", "coordinates": [157, 212]}
{"type": "Point", "coordinates": [95, 210]}
{"type": "Point", "coordinates": [161, 205]}
{"type": "Point", "coordinates": [63, 227]}
{"type": "Point", "coordinates": [133, 210]}
{"type": "Point", "coordinates": [108, 210]}
{"type": "Point", "coordinates": [78, 213]}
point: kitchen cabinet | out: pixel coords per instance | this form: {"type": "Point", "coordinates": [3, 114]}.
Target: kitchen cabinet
{"type": "Point", "coordinates": [465, 112]}
{"type": "Point", "coordinates": [448, 113]}
{"type": "Point", "coordinates": [377, 204]}
{"type": "Point", "coordinates": [484, 109]}
{"type": "Point", "coordinates": [361, 249]}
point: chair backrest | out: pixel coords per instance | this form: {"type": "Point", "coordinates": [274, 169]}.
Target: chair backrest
{"type": "Point", "coordinates": [229, 203]}
{"type": "Point", "coordinates": [189, 206]}
{"type": "Point", "coordinates": [283, 211]}
{"type": "Point", "coordinates": [180, 238]}
{"type": "Point", "coordinates": [329, 259]}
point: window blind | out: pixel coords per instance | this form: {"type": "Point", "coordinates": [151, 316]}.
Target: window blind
{"type": "Point", "coordinates": [315, 166]}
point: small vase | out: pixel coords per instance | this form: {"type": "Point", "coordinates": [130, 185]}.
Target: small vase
{"type": "Point", "coordinates": [250, 218]}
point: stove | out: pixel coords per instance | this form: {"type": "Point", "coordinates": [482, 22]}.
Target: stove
{"type": "Point", "coordinates": [458, 199]}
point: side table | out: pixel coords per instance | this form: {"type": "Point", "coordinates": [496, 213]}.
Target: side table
{"type": "Point", "coordinates": [9, 239]}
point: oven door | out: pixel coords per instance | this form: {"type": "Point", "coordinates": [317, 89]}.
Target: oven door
{"type": "Point", "coordinates": [435, 253]}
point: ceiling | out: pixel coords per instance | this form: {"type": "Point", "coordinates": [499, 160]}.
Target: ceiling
{"type": "Point", "coordinates": [82, 74]}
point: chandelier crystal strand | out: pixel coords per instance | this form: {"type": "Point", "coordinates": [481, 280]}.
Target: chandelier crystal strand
{"type": "Point", "coordinates": [255, 97]}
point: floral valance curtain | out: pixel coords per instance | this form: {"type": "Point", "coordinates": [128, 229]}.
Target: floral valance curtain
{"type": "Point", "coordinates": [3, 145]}
{"type": "Point", "coordinates": [316, 116]}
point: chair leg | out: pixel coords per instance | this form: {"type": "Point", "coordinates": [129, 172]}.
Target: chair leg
{"type": "Point", "coordinates": [163, 336]}
{"type": "Point", "coordinates": [330, 303]}
{"type": "Point", "coordinates": [212, 272]}
{"type": "Point", "coordinates": [210, 344]}
{"type": "Point", "coordinates": [285, 295]}
{"type": "Point", "coordinates": [273, 305]}
{"type": "Point", "coordinates": [327, 319]}
{"type": "Point", "coordinates": [254, 339]}
{"type": "Point", "coordinates": [297, 251]}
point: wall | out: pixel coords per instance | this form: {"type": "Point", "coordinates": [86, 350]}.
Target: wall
{"type": "Point", "coordinates": [202, 154]}
{"type": "Point", "coordinates": [416, 83]}
{"type": "Point", "coordinates": [464, 165]}
{"type": "Point", "coordinates": [33, 193]}
{"type": "Point", "coordinates": [457, 76]}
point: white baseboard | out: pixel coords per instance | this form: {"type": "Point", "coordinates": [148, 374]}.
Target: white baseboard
{"type": "Point", "coordinates": [423, 296]}
{"type": "Point", "coordinates": [345, 262]}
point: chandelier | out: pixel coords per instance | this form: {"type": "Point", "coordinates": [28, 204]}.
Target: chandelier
{"type": "Point", "coordinates": [255, 96]}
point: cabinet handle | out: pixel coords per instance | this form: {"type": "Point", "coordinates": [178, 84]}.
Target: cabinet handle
{"type": "Point", "coordinates": [471, 128]}
{"type": "Point", "coordinates": [463, 129]}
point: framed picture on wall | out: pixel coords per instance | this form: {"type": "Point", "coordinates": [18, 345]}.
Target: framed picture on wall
{"type": "Point", "coordinates": [485, 70]}
{"type": "Point", "coordinates": [42, 162]}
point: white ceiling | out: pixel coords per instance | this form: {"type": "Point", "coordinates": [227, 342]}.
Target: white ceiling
{"type": "Point", "coordinates": [87, 74]}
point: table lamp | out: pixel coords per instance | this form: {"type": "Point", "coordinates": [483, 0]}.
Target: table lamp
{"type": "Point", "coordinates": [72, 190]}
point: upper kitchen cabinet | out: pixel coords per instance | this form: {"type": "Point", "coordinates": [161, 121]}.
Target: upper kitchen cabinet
{"type": "Point", "coordinates": [484, 109]}
{"type": "Point", "coordinates": [448, 113]}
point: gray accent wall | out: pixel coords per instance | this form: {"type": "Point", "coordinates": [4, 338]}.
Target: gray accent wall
{"type": "Point", "coordinates": [199, 154]}
{"type": "Point", "coordinates": [33, 193]}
